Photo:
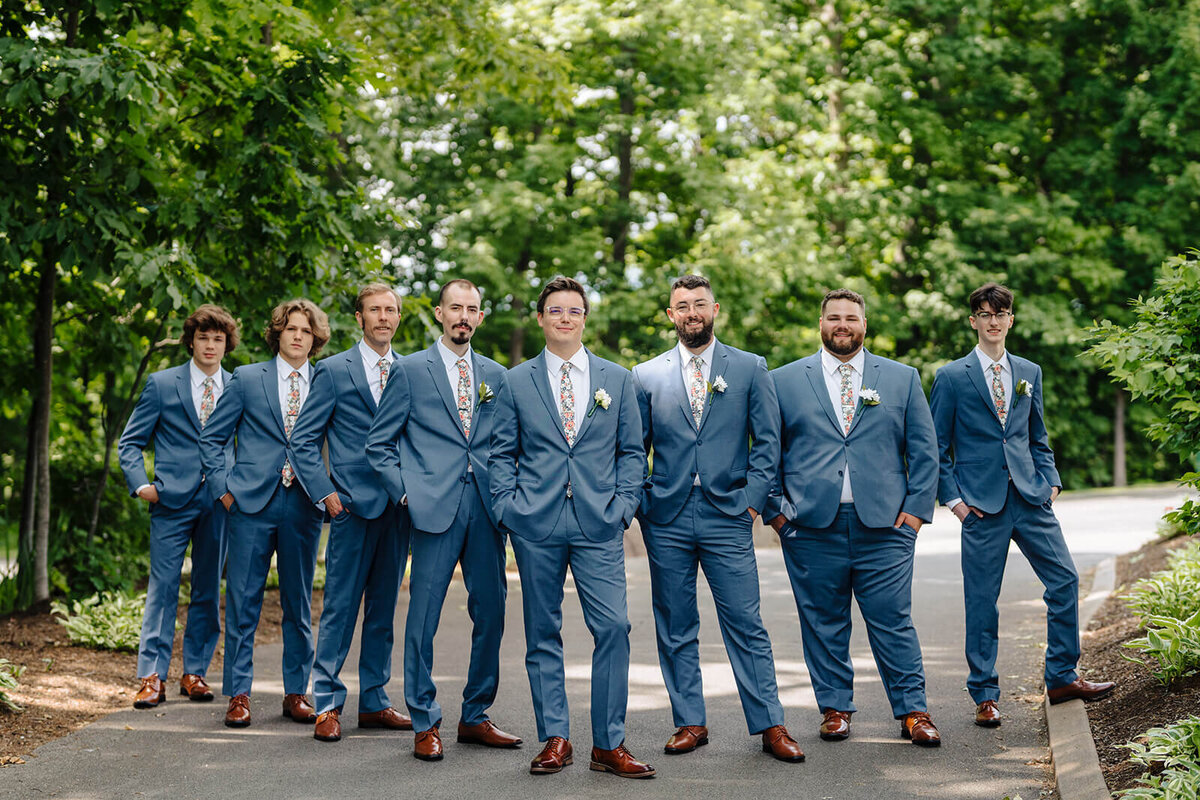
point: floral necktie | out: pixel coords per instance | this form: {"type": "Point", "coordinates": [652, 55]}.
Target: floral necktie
{"type": "Point", "coordinates": [998, 393]}
{"type": "Point", "coordinates": [696, 389]}
{"type": "Point", "coordinates": [383, 365]}
{"type": "Point", "coordinates": [464, 397]}
{"type": "Point", "coordinates": [207, 401]}
{"type": "Point", "coordinates": [566, 403]}
{"type": "Point", "coordinates": [289, 420]}
{"type": "Point", "coordinates": [847, 394]}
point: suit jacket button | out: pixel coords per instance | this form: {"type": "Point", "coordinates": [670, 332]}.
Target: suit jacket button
{"type": "Point", "coordinates": [699, 442]}
{"type": "Point", "coordinates": [1005, 467]}
{"type": "Point", "coordinates": [571, 454]}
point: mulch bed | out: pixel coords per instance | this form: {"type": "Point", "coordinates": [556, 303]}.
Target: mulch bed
{"type": "Point", "coordinates": [66, 686]}
{"type": "Point", "coordinates": [1139, 702]}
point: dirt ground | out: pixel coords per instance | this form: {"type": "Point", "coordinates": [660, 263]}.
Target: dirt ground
{"type": "Point", "coordinates": [66, 686]}
{"type": "Point", "coordinates": [1139, 702]}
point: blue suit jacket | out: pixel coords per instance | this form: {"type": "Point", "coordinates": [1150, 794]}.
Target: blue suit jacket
{"type": "Point", "coordinates": [736, 448]}
{"type": "Point", "coordinates": [531, 463]}
{"type": "Point", "coordinates": [416, 443]}
{"type": "Point", "coordinates": [248, 410]}
{"type": "Point", "coordinates": [339, 411]}
{"type": "Point", "coordinates": [977, 455]}
{"type": "Point", "coordinates": [165, 417]}
{"type": "Point", "coordinates": [891, 448]}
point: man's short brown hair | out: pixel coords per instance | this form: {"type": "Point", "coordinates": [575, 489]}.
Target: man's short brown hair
{"type": "Point", "coordinates": [210, 318]}
{"type": "Point", "coordinates": [318, 320]}
{"type": "Point", "coordinates": [844, 294]}
{"type": "Point", "coordinates": [690, 282]}
{"type": "Point", "coordinates": [1000, 298]}
{"type": "Point", "coordinates": [374, 288]}
{"type": "Point", "coordinates": [562, 284]}
{"type": "Point", "coordinates": [463, 282]}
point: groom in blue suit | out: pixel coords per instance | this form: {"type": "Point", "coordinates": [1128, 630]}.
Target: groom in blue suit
{"type": "Point", "coordinates": [997, 475]}
{"type": "Point", "coordinates": [858, 478]}
{"type": "Point", "coordinates": [175, 406]}
{"type": "Point", "coordinates": [429, 443]}
{"type": "Point", "coordinates": [566, 471]}
{"type": "Point", "coordinates": [269, 511]}
{"type": "Point", "coordinates": [710, 414]}
{"type": "Point", "coordinates": [368, 534]}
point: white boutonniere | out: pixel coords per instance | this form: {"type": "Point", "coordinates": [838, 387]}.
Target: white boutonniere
{"type": "Point", "coordinates": [1024, 387]}
{"type": "Point", "coordinates": [718, 385]}
{"type": "Point", "coordinates": [601, 399]}
{"type": "Point", "coordinates": [870, 397]}
{"type": "Point", "coordinates": [485, 394]}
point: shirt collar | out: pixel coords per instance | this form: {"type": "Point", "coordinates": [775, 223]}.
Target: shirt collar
{"type": "Point", "coordinates": [706, 355]}
{"type": "Point", "coordinates": [370, 357]}
{"type": "Point", "coordinates": [197, 377]}
{"type": "Point", "coordinates": [986, 361]}
{"type": "Point", "coordinates": [284, 369]}
{"type": "Point", "coordinates": [448, 356]}
{"type": "Point", "coordinates": [579, 360]}
{"type": "Point", "coordinates": [830, 362]}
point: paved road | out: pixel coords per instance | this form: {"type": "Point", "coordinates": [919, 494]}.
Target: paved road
{"type": "Point", "coordinates": [181, 750]}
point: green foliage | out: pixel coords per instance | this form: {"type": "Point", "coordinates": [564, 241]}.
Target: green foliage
{"type": "Point", "coordinates": [1173, 643]}
{"type": "Point", "coordinates": [1172, 592]}
{"type": "Point", "coordinates": [318, 577]}
{"type": "Point", "coordinates": [1171, 755]}
{"type": "Point", "coordinates": [108, 621]}
{"type": "Point", "coordinates": [9, 673]}
{"type": "Point", "coordinates": [1186, 518]}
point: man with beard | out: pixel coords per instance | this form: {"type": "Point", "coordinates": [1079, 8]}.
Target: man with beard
{"type": "Point", "coordinates": [429, 443]}
{"type": "Point", "coordinates": [710, 414]}
{"type": "Point", "coordinates": [368, 535]}
{"type": "Point", "coordinates": [858, 478]}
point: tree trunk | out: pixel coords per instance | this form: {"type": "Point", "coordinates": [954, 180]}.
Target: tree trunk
{"type": "Point", "coordinates": [43, 338]}
{"type": "Point", "coordinates": [1119, 476]}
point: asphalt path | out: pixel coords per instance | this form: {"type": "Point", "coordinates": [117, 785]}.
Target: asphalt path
{"type": "Point", "coordinates": [182, 750]}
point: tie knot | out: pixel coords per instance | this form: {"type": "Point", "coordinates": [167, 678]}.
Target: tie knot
{"type": "Point", "coordinates": [697, 361]}
{"type": "Point", "coordinates": [996, 368]}
{"type": "Point", "coordinates": [383, 362]}
{"type": "Point", "coordinates": [845, 369]}
{"type": "Point", "coordinates": [208, 382]}
{"type": "Point", "coordinates": [294, 375]}
{"type": "Point", "coordinates": [566, 367]}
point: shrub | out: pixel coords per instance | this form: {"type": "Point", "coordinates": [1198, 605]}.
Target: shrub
{"type": "Point", "coordinates": [1174, 643]}
{"type": "Point", "coordinates": [111, 621]}
{"type": "Point", "coordinates": [9, 672]}
{"type": "Point", "coordinates": [1173, 592]}
{"type": "Point", "coordinates": [1177, 748]}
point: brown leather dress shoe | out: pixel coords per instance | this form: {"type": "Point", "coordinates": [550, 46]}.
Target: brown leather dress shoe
{"type": "Point", "coordinates": [387, 718]}
{"type": "Point", "coordinates": [238, 713]}
{"type": "Point", "coordinates": [427, 745]}
{"type": "Point", "coordinates": [620, 762]}
{"type": "Point", "coordinates": [297, 707]}
{"type": "Point", "coordinates": [987, 714]}
{"type": "Point", "coordinates": [151, 692]}
{"type": "Point", "coordinates": [487, 734]}
{"type": "Point", "coordinates": [686, 739]}
{"type": "Point", "coordinates": [554, 756]}
{"type": "Point", "coordinates": [919, 727]}
{"type": "Point", "coordinates": [836, 726]}
{"type": "Point", "coordinates": [779, 743]}
{"type": "Point", "coordinates": [195, 688]}
{"type": "Point", "coordinates": [328, 727]}
{"type": "Point", "coordinates": [1084, 690]}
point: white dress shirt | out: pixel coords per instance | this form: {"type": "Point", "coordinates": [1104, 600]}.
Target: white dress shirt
{"type": "Point", "coordinates": [450, 360]}
{"type": "Point", "coordinates": [685, 368]}
{"type": "Point", "coordinates": [370, 361]}
{"type": "Point", "coordinates": [283, 370]}
{"type": "Point", "coordinates": [830, 367]}
{"type": "Point", "coordinates": [581, 382]}
{"type": "Point", "coordinates": [197, 380]}
{"type": "Point", "coordinates": [1006, 380]}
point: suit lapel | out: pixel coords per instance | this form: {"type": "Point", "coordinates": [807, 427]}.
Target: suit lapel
{"type": "Point", "coordinates": [718, 367]}
{"type": "Point", "coordinates": [437, 374]}
{"type": "Point", "coordinates": [870, 380]}
{"type": "Point", "coordinates": [541, 382]}
{"type": "Point", "coordinates": [677, 386]}
{"type": "Point", "coordinates": [354, 366]}
{"type": "Point", "coordinates": [598, 380]}
{"type": "Point", "coordinates": [183, 385]}
{"type": "Point", "coordinates": [270, 381]}
{"type": "Point", "coordinates": [975, 374]}
{"type": "Point", "coordinates": [1018, 374]}
{"type": "Point", "coordinates": [816, 379]}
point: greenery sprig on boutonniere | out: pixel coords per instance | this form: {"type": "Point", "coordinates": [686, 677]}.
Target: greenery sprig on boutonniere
{"type": "Point", "coordinates": [870, 397]}
{"type": "Point", "coordinates": [1024, 388]}
{"type": "Point", "coordinates": [601, 399]}
{"type": "Point", "coordinates": [717, 385]}
{"type": "Point", "coordinates": [485, 394]}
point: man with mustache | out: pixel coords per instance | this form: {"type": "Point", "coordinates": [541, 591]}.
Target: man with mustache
{"type": "Point", "coordinates": [997, 475]}
{"type": "Point", "coordinates": [710, 414]}
{"type": "Point", "coordinates": [429, 443]}
{"type": "Point", "coordinates": [858, 477]}
{"type": "Point", "coordinates": [368, 534]}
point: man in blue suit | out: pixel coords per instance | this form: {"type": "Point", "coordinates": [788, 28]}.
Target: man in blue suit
{"type": "Point", "coordinates": [174, 407]}
{"type": "Point", "coordinates": [997, 475]}
{"type": "Point", "coordinates": [858, 477]}
{"type": "Point", "coordinates": [431, 435]}
{"type": "Point", "coordinates": [566, 471]}
{"type": "Point", "coordinates": [368, 535]}
{"type": "Point", "coordinates": [269, 511]}
{"type": "Point", "coordinates": [710, 414]}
